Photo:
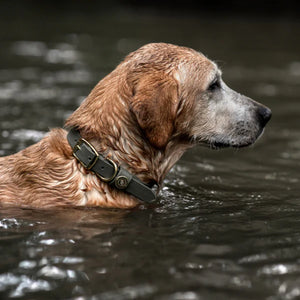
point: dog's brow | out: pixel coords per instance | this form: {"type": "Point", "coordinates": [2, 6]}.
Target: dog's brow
{"type": "Point", "coordinates": [212, 76]}
{"type": "Point", "coordinates": [215, 74]}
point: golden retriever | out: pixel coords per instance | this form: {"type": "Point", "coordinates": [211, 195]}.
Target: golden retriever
{"type": "Point", "coordinates": [160, 101]}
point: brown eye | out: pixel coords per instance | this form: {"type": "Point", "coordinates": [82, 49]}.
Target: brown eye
{"type": "Point", "coordinates": [215, 84]}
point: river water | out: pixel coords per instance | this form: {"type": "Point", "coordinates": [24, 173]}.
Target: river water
{"type": "Point", "coordinates": [227, 223]}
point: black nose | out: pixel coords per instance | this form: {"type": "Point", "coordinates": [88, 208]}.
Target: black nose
{"type": "Point", "coordinates": [264, 115]}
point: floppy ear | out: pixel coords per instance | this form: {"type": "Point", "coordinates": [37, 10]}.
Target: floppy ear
{"type": "Point", "coordinates": [154, 105]}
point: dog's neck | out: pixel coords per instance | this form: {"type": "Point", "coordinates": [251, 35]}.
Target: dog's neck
{"type": "Point", "coordinates": [114, 132]}
{"type": "Point", "coordinates": [129, 150]}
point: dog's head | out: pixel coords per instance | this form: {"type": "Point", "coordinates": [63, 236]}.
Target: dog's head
{"type": "Point", "coordinates": [177, 93]}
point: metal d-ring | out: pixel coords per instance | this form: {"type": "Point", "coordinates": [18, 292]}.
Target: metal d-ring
{"type": "Point", "coordinates": [114, 174]}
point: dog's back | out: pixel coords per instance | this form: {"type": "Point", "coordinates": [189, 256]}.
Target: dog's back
{"type": "Point", "coordinates": [39, 175]}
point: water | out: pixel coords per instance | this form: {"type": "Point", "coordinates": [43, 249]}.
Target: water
{"type": "Point", "coordinates": [227, 223]}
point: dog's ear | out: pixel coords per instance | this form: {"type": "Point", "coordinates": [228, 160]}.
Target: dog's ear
{"type": "Point", "coordinates": [154, 105]}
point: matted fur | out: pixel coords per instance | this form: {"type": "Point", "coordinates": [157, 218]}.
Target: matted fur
{"type": "Point", "coordinates": [143, 115]}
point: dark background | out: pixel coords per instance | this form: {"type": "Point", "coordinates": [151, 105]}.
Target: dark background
{"type": "Point", "coordinates": [255, 8]}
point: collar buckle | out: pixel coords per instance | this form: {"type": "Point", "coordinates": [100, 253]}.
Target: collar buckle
{"type": "Point", "coordinates": [84, 146]}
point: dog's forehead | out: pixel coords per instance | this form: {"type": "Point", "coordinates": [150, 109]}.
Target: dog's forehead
{"type": "Point", "coordinates": [198, 69]}
{"type": "Point", "coordinates": [214, 72]}
{"type": "Point", "coordinates": [186, 65]}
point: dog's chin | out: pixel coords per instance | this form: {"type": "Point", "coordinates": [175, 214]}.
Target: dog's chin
{"type": "Point", "coordinates": [220, 141]}
{"type": "Point", "coordinates": [239, 141]}
{"type": "Point", "coordinates": [234, 143]}
{"type": "Point", "coordinates": [222, 145]}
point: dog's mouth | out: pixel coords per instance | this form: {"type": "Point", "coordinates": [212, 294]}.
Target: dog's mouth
{"type": "Point", "coordinates": [219, 145]}
{"type": "Point", "coordinates": [239, 142]}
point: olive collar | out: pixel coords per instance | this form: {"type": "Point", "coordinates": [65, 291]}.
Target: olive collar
{"type": "Point", "coordinates": [107, 170]}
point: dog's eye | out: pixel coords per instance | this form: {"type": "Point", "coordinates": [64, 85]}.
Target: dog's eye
{"type": "Point", "coordinates": [215, 84]}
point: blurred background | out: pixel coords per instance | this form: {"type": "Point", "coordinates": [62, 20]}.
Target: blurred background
{"type": "Point", "coordinates": [227, 223]}
{"type": "Point", "coordinates": [53, 52]}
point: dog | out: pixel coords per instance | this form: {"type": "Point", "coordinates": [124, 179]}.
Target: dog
{"type": "Point", "coordinates": [129, 132]}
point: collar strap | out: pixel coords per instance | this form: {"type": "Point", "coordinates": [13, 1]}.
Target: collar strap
{"type": "Point", "coordinates": [106, 169]}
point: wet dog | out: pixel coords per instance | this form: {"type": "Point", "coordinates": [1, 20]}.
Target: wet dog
{"type": "Point", "coordinates": [134, 125]}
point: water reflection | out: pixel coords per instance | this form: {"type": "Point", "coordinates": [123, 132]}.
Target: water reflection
{"type": "Point", "coordinates": [61, 53]}
{"type": "Point", "coordinates": [22, 285]}
{"type": "Point", "coordinates": [39, 236]}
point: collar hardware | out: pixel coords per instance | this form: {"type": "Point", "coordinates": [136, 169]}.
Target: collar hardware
{"type": "Point", "coordinates": [121, 182]}
{"type": "Point", "coordinates": [93, 156]}
{"type": "Point", "coordinates": [114, 174]}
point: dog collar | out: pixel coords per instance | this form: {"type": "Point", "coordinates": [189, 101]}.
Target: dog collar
{"type": "Point", "coordinates": [106, 169]}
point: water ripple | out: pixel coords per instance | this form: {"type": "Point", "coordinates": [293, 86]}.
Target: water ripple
{"type": "Point", "coordinates": [279, 269]}
{"type": "Point", "coordinates": [61, 53]}
{"type": "Point", "coordinates": [20, 285]}
{"type": "Point", "coordinates": [129, 292]}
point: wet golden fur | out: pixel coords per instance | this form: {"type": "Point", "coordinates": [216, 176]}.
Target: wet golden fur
{"type": "Point", "coordinates": [142, 115]}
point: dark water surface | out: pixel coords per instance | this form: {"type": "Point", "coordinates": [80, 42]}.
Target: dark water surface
{"type": "Point", "coordinates": [227, 223]}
